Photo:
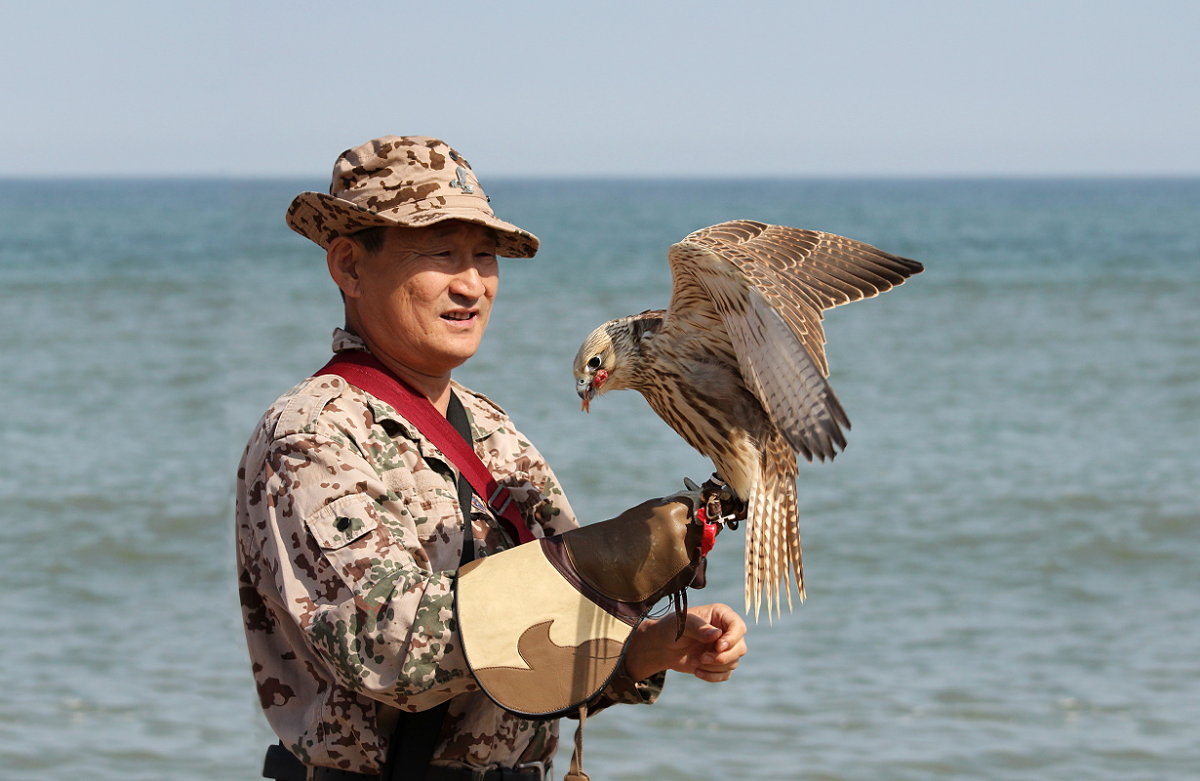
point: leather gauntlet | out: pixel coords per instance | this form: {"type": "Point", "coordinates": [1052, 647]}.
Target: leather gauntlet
{"type": "Point", "coordinates": [544, 625]}
{"type": "Point", "coordinates": [631, 562]}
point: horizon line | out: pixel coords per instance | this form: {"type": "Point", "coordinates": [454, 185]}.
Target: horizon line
{"type": "Point", "coordinates": [627, 177]}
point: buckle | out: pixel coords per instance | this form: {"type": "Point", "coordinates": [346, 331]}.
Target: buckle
{"type": "Point", "coordinates": [499, 493]}
{"type": "Point", "coordinates": [541, 769]}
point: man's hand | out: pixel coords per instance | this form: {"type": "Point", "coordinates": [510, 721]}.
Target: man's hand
{"type": "Point", "coordinates": [712, 644]}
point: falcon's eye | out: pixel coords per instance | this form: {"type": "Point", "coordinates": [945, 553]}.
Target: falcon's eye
{"type": "Point", "coordinates": [594, 362]}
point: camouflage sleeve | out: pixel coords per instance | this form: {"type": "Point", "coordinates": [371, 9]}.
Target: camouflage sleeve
{"type": "Point", "coordinates": [535, 488]}
{"type": "Point", "coordinates": [623, 690]}
{"type": "Point", "coordinates": [346, 565]}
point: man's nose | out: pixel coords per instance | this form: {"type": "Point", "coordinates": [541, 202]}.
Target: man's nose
{"type": "Point", "coordinates": [468, 282]}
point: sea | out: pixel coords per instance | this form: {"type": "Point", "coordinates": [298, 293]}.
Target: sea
{"type": "Point", "coordinates": [1003, 567]}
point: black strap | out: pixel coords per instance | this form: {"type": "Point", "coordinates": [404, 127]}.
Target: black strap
{"type": "Point", "coordinates": [282, 765]}
{"type": "Point", "coordinates": [416, 734]}
{"type": "Point", "coordinates": [457, 415]}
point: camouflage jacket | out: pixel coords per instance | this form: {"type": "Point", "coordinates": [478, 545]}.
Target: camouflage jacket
{"type": "Point", "coordinates": [349, 532]}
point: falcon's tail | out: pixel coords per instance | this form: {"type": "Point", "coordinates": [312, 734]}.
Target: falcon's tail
{"type": "Point", "coordinates": [773, 556]}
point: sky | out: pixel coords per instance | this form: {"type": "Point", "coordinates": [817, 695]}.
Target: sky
{"type": "Point", "coordinates": [613, 88]}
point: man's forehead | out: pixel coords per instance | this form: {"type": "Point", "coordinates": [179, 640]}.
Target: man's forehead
{"type": "Point", "coordinates": [443, 230]}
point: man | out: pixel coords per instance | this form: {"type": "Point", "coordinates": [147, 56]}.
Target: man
{"type": "Point", "coordinates": [350, 519]}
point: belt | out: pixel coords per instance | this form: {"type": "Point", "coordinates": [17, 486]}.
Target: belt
{"type": "Point", "coordinates": [334, 774]}
{"type": "Point", "coordinates": [282, 764]}
{"type": "Point", "coordinates": [528, 771]}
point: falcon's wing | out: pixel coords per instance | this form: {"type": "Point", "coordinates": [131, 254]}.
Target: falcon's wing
{"type": "Point", "coordinates": [801, 272]}
{"type": "Point", "coordinates": [717, 315]}
{"type": "Point", "coordinates": [768, 286]}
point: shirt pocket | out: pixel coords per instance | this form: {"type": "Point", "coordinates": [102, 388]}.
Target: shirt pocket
{"type": "Point", "coordinates": [347, 531]}
{"type": "Point", "coordinates": [433, 505]}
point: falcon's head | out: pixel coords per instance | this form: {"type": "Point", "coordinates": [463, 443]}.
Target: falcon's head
{"type": "Point", "coordinates": [608, 358]}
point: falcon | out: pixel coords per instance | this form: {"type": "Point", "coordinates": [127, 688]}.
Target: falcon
{"type": "Point", "coordinates": [736, 365]}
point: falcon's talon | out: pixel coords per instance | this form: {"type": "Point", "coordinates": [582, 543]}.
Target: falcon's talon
{"type": "Point", "coordinates": [722, 502]}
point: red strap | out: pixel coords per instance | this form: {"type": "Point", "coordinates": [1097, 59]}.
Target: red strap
{"type": "Point", "coordinates": [364, 371]}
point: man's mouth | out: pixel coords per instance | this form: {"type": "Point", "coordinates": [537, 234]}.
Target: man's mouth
{"type": "Point", "coordinates": [459, 316]}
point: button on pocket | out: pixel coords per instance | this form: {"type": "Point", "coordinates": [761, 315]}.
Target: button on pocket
{"type": "Point", "coordinates": [343, 521]}
{"type": "Point", "coordinates": [345, 529]}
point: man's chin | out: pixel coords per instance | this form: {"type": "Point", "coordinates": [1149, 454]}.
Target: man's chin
{"type": "Point", "coordinates": [455, 355]}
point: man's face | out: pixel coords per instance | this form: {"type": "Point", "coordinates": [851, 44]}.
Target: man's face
{"type": "Point", "coordinates": [425, 297]}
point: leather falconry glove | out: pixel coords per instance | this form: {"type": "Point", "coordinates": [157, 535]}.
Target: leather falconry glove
{"type": "Point", "coordinates": [545, 625]}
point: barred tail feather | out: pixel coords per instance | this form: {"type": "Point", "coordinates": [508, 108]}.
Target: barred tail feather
{"type": "Point", "coordinates": [756, 564]}
{"type": "Point", "coordinates": [774, 563]}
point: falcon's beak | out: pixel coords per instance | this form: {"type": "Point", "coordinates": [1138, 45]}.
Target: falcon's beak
{"type": "Point", "coordinates": [584, 389]}
{"type": "Point", "coordinates": [587, 387]}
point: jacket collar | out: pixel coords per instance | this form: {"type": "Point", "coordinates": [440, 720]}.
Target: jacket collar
{"type": "Point", "coordinates": [481, 411]}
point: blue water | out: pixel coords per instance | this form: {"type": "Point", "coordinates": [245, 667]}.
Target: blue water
{"type": "Point", "coordinates": [1001, 567]}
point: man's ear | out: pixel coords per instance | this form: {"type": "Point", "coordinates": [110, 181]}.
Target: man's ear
{"type": "Point", "coordinates": [343, 259]}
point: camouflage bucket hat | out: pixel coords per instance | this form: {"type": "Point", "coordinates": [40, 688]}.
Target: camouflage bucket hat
{"type": "Point", "coordinates": [409, 181]}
